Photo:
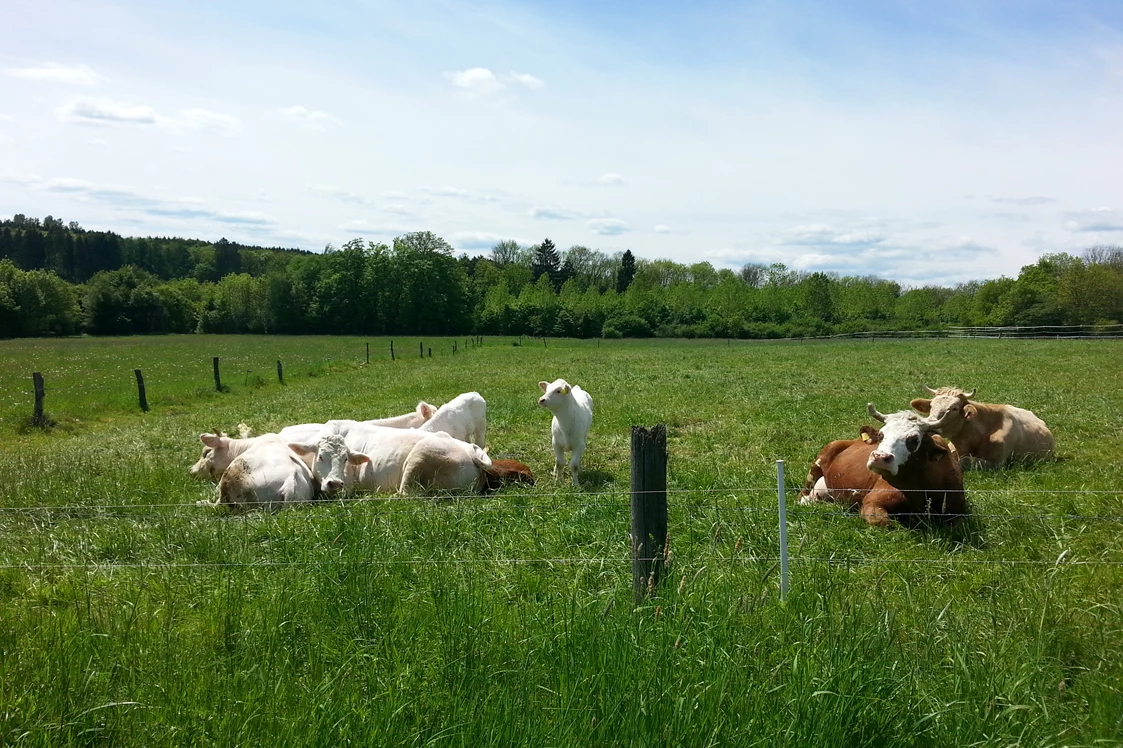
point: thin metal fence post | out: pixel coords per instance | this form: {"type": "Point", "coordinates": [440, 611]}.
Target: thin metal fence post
{"type": "Point", "coordinates": [783, 529]}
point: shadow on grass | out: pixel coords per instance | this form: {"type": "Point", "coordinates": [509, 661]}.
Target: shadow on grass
{"type": "Point", "coordinates": [967, 532]}
{"type": "Point", "coordinates": [596, 480]}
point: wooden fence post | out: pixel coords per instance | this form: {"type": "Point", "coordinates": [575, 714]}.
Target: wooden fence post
{"type": "Point", "coordinates": [38, 419]}
{"type": "Point", "coordinates": [217, 380]}
{"type": "Point", "coordinates": [280, 372]}
{"type": "Point", "coordinates": [421, 348]}
{"type": "Point", "coordinates": [649, 508]}
{"type": "Point", "coordinates": [140, 390]}
{"type": "Point", "coordinates": [454, 348]}
{"type": "Point", "coordinates": [392, 351]}
{"type": "Point", "coordinates": [430, 353]}
{"type": "Point", "coordinates": [368, 353]}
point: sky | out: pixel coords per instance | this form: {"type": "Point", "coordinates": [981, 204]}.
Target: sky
{"type": "Point", "coordinates": [923, 142]}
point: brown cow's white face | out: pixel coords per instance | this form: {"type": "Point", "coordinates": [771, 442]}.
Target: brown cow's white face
{"type": "Point", "coordinates": [900, 437]}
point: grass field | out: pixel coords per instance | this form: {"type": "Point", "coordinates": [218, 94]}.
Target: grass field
{"type": "Point", "coordinates": [129, 616]}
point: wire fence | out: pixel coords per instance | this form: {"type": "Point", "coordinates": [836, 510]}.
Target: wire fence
{"type": "Point", "coordinates": [690, 517]}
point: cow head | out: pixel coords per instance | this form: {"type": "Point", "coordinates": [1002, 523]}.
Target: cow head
{"type": "Point", "coordinates": [555, 394]}
{"type": "Point", "coordinates": [502, 472]}
{"type": "Point", "coordinates": [215, 459]}
{"type": "Point", "coordinates": [902, 435]}
{"type": "Point", "coordinates": [948, 405]}
{"type": "Point", "coordinates": [425, 410]}
{"type": "Point", "coordinates": [332, 458]}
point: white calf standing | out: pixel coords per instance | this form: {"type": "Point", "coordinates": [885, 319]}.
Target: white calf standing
{"type": "Point", "coordinates": [464, 417]}
{"type": "Point", "coordinates": [573, 416]}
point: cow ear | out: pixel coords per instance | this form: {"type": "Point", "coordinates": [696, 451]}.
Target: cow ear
{"type": "Point", "coordinates": [426, 410]}
{"type": "Point", "coordinates": [921, 405]}
{"type": "Point", "coordinates": [302, 449]}
{"type": "Point", "coordinates": [938, 447]}
{"type": "Point", "coordinates": [870, 435]}
{"type": "Point", "coordinates": [357, 458]}
{"type": "Point", "coordinates": [544, 385]}
{"type": "Point", "coordinates": [970, 411]}
{"type": "Point", "coordinates": [214, 441]}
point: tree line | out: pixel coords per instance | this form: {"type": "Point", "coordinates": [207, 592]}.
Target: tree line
{"type": "Point", "coordinates": [59, 279]}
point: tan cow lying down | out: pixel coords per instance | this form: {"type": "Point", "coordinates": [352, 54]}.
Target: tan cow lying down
{"type": "Point", "coordinates": [903, 472]}
{"type": "Point", "coordinates": [983, 433]}
{"type": "Point", "coordinates": [267, 474]}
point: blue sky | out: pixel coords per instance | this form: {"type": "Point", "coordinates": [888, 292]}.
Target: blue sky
{"type": "Point", "coordinates": [923, 142]}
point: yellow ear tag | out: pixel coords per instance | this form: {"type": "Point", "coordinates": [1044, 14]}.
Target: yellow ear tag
{"type": "Point", "coordinates": [866, 437]}
{"type": "Point", "coordinates": [564, 390]}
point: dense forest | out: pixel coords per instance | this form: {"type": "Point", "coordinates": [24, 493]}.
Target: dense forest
{"type": "Point", "coordinates": [59, 279]}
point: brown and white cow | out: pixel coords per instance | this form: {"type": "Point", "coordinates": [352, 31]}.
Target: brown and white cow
{"type": "Point", "coordinates": [983, 433]}
{"type": "Point", "coordinates": [903, 471]}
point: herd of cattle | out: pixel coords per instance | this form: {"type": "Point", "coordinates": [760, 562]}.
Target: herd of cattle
{"type": "Point", "coordinates": [909, 468]}
{"type": "Point", "coordinates": [429, 448]}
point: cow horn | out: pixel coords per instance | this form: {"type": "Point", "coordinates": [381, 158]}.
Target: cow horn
{"type": "Point", "coordinates": [928, 389]}
{"type": "Point", "coordinates": [875, 413]}
{"type": "Point", "coordinates": [928, 424]}
{"type": "Point", "coordinates": [971, 394]}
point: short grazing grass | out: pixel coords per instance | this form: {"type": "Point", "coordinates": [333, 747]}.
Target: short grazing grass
{"type": "Point", "coordinates": [128, 616]}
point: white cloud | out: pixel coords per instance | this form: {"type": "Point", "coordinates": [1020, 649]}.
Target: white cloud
{"type": "Point", "coordinates": [7, 118]}
{"type": "Point", "coordinates": [86, 110]}
{"type": "Point", "coordinates": [607, 226]}
{"type": "Point", "coordinates": [480, 81]}
{"type": "Point", "coordinates": [1094, 219]}
{"type": "Point", "coordinates": [89, 111]}
{"type": "Point", "coordinates": [558, 214]}
{"type": "Point", "coordinates": [483, 82]}
{"type": "Point", "coordinates": [202, 119]}
{"type": "Point", "coordinates": [478, 240]}
{"type": "Point", "coordinates": [340, 194]}
{"type": "Point", "coordinates": [819, 234]}
{"type": "Point", "coordinates": [53, 72]}
{"type": "Point", "coordinates": [312, 119]}
{"type": "Point", "coordinates": [611, 178]}
{"type": "Point", "coordinates": [526, 80]}
{"type": "Point", "coordinates": [661, 229]}
{"type": "Point", "coordinates": [97, 141]}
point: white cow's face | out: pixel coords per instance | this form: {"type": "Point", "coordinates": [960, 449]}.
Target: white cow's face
{"type": "Point", "coordinates": [215, 458]}
{"type": "Point", "coordinates": [332, 458]}
{"type": "Point", "coordinates": [554, 394]}
{"type": "Point", "coordinates": [900, 437]}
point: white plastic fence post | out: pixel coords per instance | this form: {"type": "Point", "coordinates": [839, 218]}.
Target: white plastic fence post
{"type": "Point", "coordinates": [783, 530]}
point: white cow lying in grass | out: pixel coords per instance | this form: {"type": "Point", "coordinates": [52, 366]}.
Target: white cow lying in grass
{"type": "Point", "coordinates": [219, 450]}
{"type": "Point", "coordinates": [464, 417]}
{"type": "Point", "coordinates": [304, 432]}
{"type": "Point", "coordinates": [373, 458]}
{"type": "Point", "coordinates": [573, 416]}
{"type": "Point", "coordinates": [266, 475]}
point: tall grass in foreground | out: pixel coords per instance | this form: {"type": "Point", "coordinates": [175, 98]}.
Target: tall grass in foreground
{"type": "Point", "coordinates": [130, 616]}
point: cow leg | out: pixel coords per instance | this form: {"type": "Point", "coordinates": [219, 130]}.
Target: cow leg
{"type": "Point", "coordinates": [875, 514]}
{"type": "Point", "coordinates": [559, 460]}
{"type": "Point", "coordinates": [575, 464]}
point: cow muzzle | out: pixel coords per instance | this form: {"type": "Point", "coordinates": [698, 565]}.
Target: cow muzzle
{"type": "Point", "coordinates": [331, 486]}
{"type": "Point", "coordinates": [882, 463]}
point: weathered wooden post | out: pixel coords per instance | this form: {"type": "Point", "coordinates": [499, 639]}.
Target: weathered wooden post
{"type": "Point", "coordinates": [421, 348]}
{"type": "Point", "coordinates": [140, 390]}
{"type": "Point", "coordinates": [430, 353]}
{"type": "Point", "coordinates": [38, 419]}
{"type": "Point", "coordinates": [649, 508]}
{"type": "Point", "coordinates": [368, 353]}
{"type": "Point", "coordinates": [280, 372]}
{"type": "Point", "coordinates": [217, 380]}
{"type": "Point", "coordinates": [454, 348]}
{"type": "Point", "coordinates": [392, 351]}
{"type": "Point", "coordinates": [543, 341]}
